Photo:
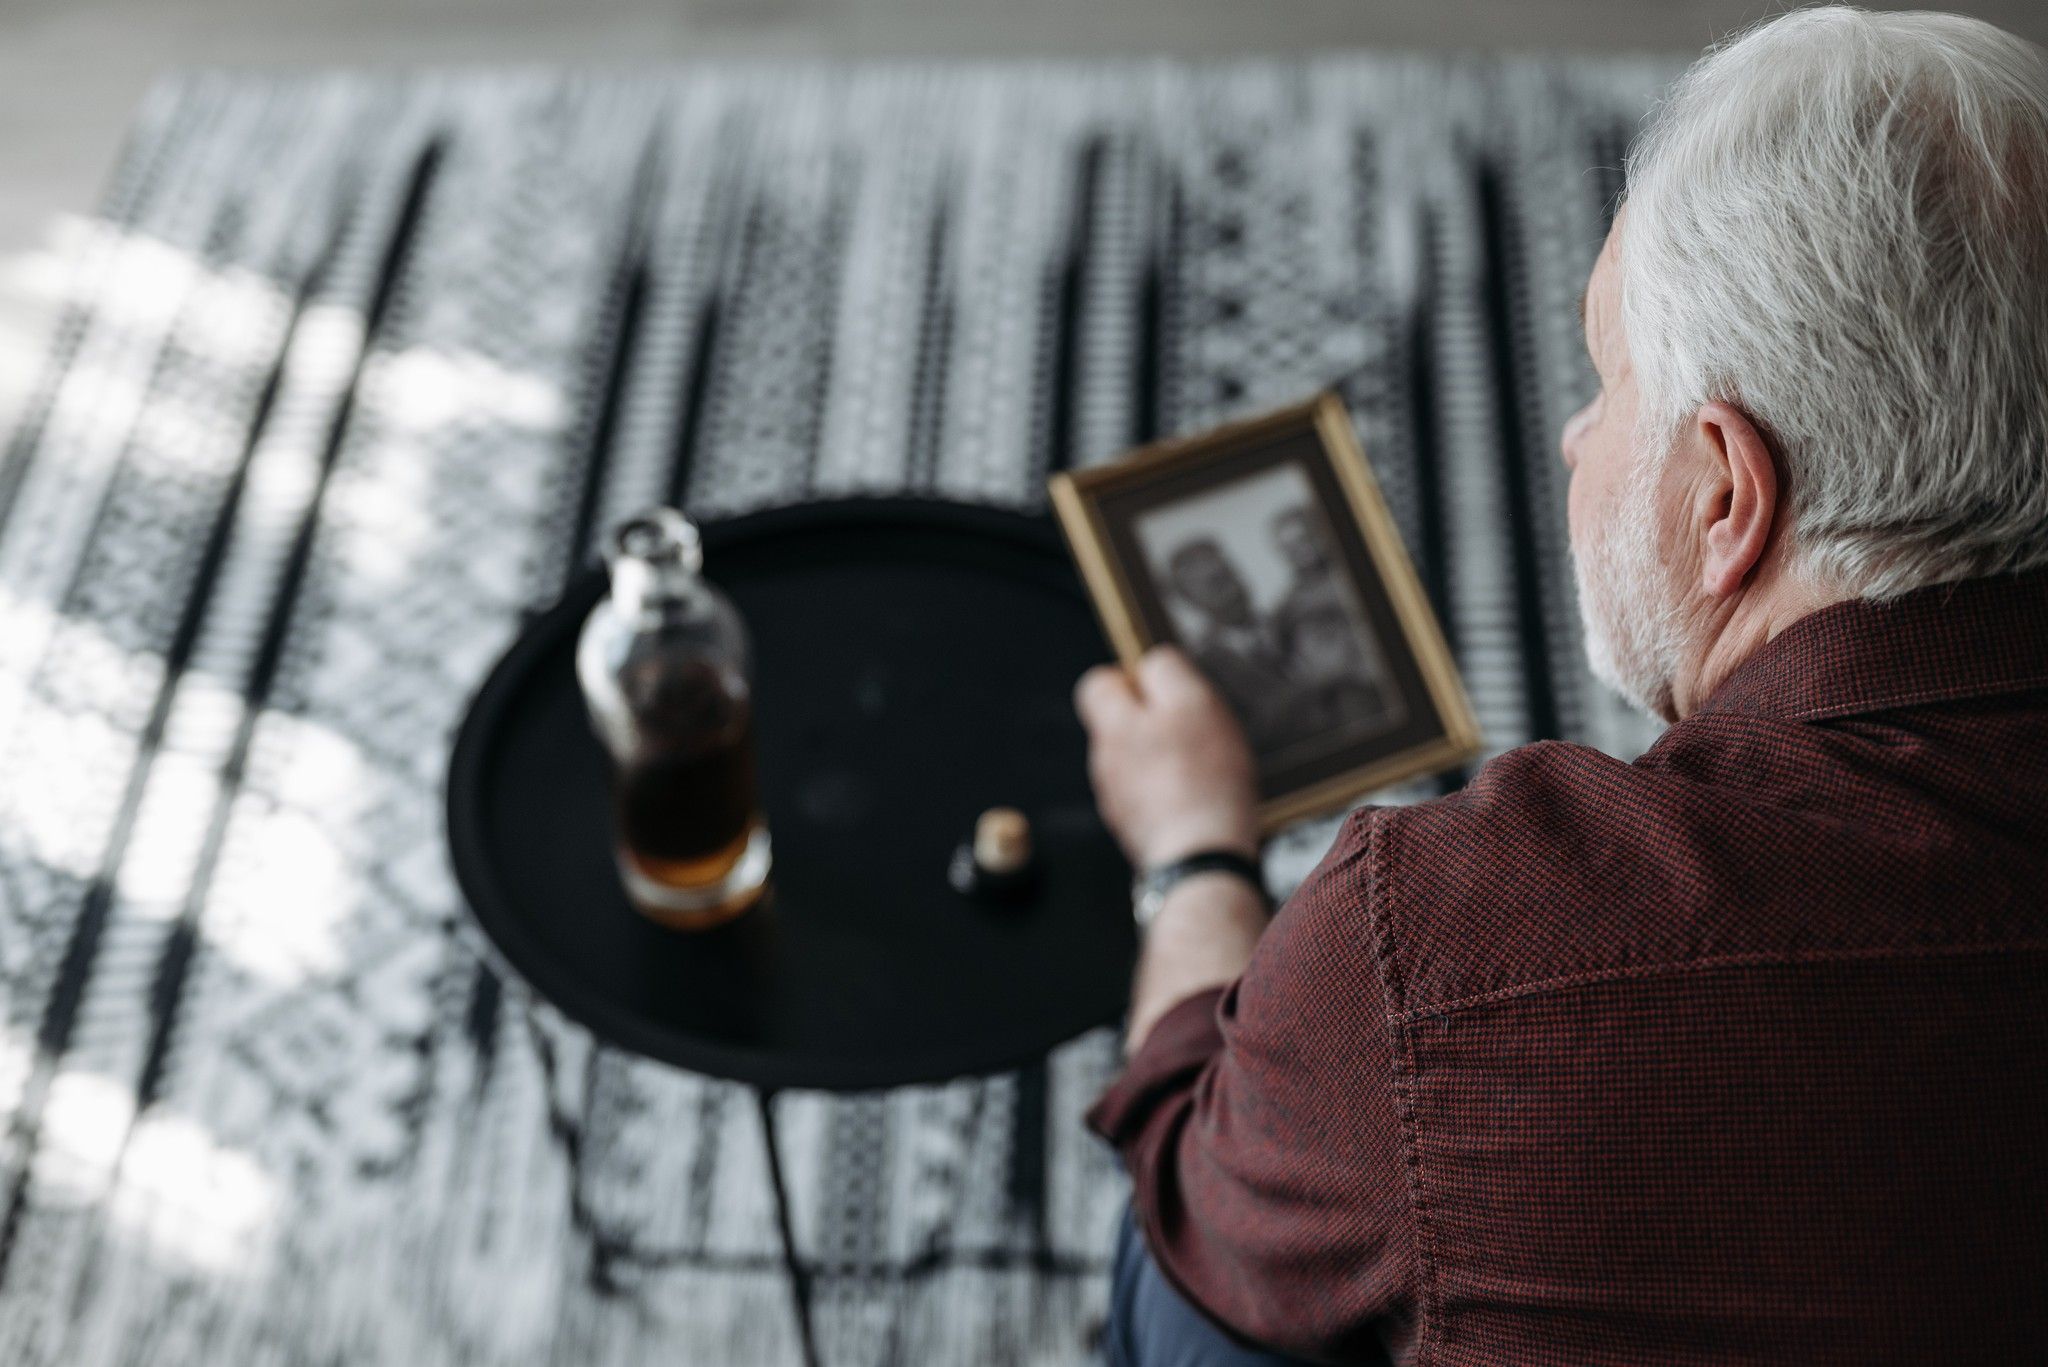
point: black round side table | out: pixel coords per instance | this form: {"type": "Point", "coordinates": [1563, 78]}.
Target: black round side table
{"type": "Point", "coordinates": [914, 665]}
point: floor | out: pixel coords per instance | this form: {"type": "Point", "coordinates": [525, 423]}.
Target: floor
{"type": "Point", "coordinates": [837, 308]}
{"type": "Point", "coordinates": [70, 70]}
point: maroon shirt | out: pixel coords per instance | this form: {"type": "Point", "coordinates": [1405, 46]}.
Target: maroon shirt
{"type": "Point", "coordinates": [1737, 1053]}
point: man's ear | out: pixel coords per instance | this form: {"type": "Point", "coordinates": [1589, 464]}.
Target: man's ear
{"type": "Point", "coordinates": [1738, 507]}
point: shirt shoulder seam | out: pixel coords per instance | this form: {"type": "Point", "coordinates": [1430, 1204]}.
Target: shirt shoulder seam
{"type": "Point", "coordinates": [1715, 963]}
{"type": "Point", "coordinates": [1378, 894]}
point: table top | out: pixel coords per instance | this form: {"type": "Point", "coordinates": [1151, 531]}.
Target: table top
{"type": "Point", "coordinates": [914, 663]}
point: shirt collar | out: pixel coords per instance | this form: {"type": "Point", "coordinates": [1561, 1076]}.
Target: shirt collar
{"type": "Point", "coordinates": [1969, 639]}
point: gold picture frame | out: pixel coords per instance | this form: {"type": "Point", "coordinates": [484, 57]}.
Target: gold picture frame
{"type": "Point", "coordinates": [1305, 462]}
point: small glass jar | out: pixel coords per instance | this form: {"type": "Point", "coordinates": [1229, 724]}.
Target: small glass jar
{"type": "Point", "coordinates": [663, 662]}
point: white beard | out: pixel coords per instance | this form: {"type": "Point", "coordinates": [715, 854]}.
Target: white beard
{"type": "Point", "coordinates": [1635, 638]}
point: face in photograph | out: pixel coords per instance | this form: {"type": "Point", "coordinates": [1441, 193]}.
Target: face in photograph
{"type": "Point", "coordinates": [1230, 642]}
{"type": "Point", "coordinates": [1201, 575]}
{"type": "Point", "coordinates": [1301, 543]}
{"type": "Point", "coordinates": [1332, 651]}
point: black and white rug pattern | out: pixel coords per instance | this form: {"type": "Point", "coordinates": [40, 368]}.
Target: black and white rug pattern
{"type": "Point", "coordinates": [352, 367]}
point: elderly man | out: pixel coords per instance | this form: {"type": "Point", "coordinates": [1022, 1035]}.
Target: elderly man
{"type": "Point", "coordinates": [1739, 1052]}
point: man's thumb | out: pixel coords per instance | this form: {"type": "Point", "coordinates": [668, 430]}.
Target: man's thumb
{"type": "Point", "coordinates": [1166, 672]}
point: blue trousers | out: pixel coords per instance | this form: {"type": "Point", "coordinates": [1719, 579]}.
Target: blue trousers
{"type": "Point", "coordinates": [1152, 1325]}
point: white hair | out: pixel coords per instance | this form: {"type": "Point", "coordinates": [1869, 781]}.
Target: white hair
{"type": "Point", "coordinates": [1838, 222]}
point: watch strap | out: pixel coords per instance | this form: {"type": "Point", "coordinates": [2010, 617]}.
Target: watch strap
{"type": "Point", "coordinates": [1152, 886]}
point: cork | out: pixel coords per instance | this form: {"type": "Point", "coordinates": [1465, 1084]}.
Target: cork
{"type": "Point", "coordinates": [1002, 840]}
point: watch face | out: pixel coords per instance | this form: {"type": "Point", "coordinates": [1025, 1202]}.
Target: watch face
{"type": "Point", "coordinates": [1145, 899]}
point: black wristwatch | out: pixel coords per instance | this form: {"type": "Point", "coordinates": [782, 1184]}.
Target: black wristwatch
{"type": "Point", "coordinates": [1149, 889]}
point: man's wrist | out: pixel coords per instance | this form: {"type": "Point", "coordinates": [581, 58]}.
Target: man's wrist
{"type": "Point", "coordinates": [1212, 893]}
{"type": "Point", "coordinates": [1151, 888]}
{"type": "Point", "coordinates": [1169, 849]}
{"type": "Point", "coordinates": [1202, 938]}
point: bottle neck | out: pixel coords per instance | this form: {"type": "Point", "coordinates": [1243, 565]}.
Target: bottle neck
{"type": "Point", "coordinates": [646, 593]}
{"type": "Point", "coordinates": [655, 568]}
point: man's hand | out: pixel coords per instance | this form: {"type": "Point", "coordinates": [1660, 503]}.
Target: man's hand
{"type": "Point", "coordinates": [1173, 775]}
{"type": "Point", "coordinates": [1170, 766]}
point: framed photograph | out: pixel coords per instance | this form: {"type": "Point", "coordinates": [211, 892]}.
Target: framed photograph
{"type": "Point", "coordinates": [1265, 551]}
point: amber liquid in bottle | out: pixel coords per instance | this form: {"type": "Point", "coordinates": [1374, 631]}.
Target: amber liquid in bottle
{"type": "Point", "coordinates": [684, 804]}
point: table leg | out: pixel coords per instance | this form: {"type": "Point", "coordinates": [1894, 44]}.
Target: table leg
{"type": "Point", "coordinates": [799, 1279]}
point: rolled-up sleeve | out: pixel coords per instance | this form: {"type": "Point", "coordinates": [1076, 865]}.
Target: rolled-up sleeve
{"type": "Point", "coordinates": [1261, 1128]}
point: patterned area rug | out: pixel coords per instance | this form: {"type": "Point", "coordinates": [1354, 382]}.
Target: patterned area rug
{"type": "Point", "coordinates": [352, 367]}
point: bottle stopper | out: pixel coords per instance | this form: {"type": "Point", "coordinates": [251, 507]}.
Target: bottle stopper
{"type": "Point", "coordinates": [654, 555]}
{"type": "Point", "coordinates": [1002, 840]}
{"type": "Point", "coordinates": [995, 865]}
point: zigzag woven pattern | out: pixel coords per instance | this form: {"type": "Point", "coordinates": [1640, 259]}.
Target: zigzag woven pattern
{"type": "Point", "coordinates": [352, 368]}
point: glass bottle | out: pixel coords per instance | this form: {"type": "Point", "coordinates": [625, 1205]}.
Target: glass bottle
{"type": "Point", "coordinates": [663, 662]}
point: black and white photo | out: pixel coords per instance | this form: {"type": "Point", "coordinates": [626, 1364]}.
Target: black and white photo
{"type": "Point", "coordinates": [1253, 583]}
{"type": "Point", "coordinates": [1263, 550]}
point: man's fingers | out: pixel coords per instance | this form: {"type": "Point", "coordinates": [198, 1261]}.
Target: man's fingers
{"type": "Point", "coordinates": [1167, 672]}
{"type": "Point", "coordinates": [1163, 674]}
{"type": "Point", "coordinates": [1102, 692]}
